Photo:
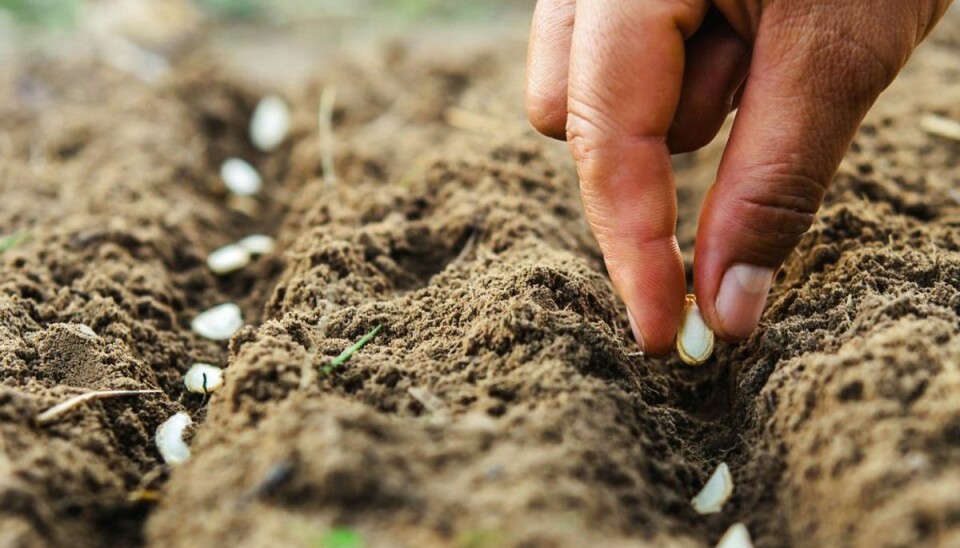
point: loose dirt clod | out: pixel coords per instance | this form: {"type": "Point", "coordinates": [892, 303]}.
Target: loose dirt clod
{"type": "Point", "coordinates": [240, 177]}
{"type": "Point", "coordinates": [57, 411]}
{"type": "Point", "coordinates": [203, 378]}
{"type": "Point", "coordinates": [258, 244]}
{"type": "Point", "coordinates": [169, 439]}
{"type": "Point", "coordinates": [228, 259]}
{"type": "Point", "coordinates": [695, 338]}
{"type": "Point", "coordinates": [736, 536]}
{"type": "Point", "coordinates": [218, 323]}
{"type": "Point", "coordinates": [270, 123]}
{"type": "Point", "coordinates": [719, 487]}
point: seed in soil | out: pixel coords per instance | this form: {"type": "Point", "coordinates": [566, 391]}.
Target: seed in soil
{"type": "Point", "coordinates": [695, 339]}
{"type": "Point", "coordinates": [228, 259]}
{"type": "Point", "coordinates": [87, 331]}
{"type": "Point", "coordinates": [218, 323]}
{"type": "Point", "coordinates": [270, 123]}
{"type": "Point", "coordinates": [169, 439]}
{"type": "Point", "coordinates": [736, 536]}
{"type": "Point", "coordinates": [240, 177]}
{"type": "Point", "coordinates": [257, 244]}
{"type": "Point", "coordinates": [203, 378]}
{"type": "Point", "coordinates": [719, 487]}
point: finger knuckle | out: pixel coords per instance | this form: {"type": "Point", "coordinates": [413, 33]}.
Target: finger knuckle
{"type": "Point", "coordinates": [582, 130]}
{"type": "Point", "coordinates": [547, 114]}
{"type": "Point", "coordinates": [778, 212]}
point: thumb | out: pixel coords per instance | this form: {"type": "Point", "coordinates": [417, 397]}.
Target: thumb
{"type": "Point", "coordinates": [813, 77]}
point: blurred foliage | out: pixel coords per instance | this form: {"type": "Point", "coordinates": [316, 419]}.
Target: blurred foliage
{"type": "Point", "coordinates": [46, 13]}
{"type": "Point", "coordinates": [59, 13]}
{"type": "Point", "coordinates": [341, 538]}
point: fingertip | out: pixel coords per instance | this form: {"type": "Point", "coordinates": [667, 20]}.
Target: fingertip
{"type": "Point", "coordinates": [548, 115]}
{"type": "Point", "coordinates": [653, 291]}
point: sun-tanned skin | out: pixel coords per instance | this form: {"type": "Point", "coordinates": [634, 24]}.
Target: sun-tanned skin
{"type": "Point", "coordinates": [627, 82]}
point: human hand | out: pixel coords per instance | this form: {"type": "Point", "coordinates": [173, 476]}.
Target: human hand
{"type": "Point", "coordinates": [628, 82]}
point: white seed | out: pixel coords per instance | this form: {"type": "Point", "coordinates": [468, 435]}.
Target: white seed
{"type": "Point", "coordinates": [218, 323]}
{"type": "Point", "coordinates": [228, 259]}
{"type": "Point", "coordinates": [270, 123]}
{"type": "Point", "coordinates": [719, 487]}
{"type": "Point", "coordinates": [240, 177]}
{"type": "Point", "coordinates": [169, 439]}
{"type": "Point", "coordinates": [695, 339]}
{"type": "Point", "coordinates": [87, 331]}
{"type": "Point", "coordinates": [257, 244]}
{"type": "Point", "coordinates": [203, 378]}
{"type": "Point", "coordinates": [940, 126]}
{"type": "Point", "coordinates": [736, 536]}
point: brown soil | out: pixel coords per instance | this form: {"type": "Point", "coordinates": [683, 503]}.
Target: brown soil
{"type": "Point", "coordinates": [503, 402]}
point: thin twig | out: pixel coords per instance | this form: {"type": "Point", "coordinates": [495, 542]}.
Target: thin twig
{"type": "Point", "coordinates": [345, 355]}
{"type": "Point", "coordinates": [55, 412]}
{"type": "Point", "coordinates": [327, 100]}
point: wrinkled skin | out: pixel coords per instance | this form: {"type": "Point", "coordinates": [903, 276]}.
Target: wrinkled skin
{"type": "Point", "coordinates": [627, 83]}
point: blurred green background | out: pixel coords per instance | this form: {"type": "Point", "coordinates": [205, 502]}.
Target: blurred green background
{"type": "Point", "coordinates": [64, 13]}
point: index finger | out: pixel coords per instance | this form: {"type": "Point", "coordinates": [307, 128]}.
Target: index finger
{"type": "Point", "coordinates": [626, 74]}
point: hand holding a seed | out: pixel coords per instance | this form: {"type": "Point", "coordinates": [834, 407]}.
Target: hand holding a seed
{"type": "Point", "coordinates": [627, 83]}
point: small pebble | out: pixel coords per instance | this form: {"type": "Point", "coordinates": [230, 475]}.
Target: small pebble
{"type": "Point", "coordinates": [736, 536]}
{"type": "Point", "coordinates": [714, 495]}
{"type": "Point", "coordinates": [227, 259]}
{"type": "Point", "coordinates": [270, 123]}
{"type": "Point", "coordinates": [257, 244]}
{"type": "Point", "coordinates": [240, 177]}
{"type": "Point", "coordinates": [169, 439]}
{"type": "Point", "coordinates": [203, 378]}
{"type": "Point", "coordinates": [218, 323]}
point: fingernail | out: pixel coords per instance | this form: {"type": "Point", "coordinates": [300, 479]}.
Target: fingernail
{"type": "Point", "coordinates": [743, 293]}
{"type": "Point", "coordinates": [636, 331]}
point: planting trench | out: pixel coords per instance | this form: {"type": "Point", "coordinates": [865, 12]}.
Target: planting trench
{"type": "Point", "coordinates": [503, 402]}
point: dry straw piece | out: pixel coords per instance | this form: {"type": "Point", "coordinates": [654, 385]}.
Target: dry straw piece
{"type": "Point", "coordinates": [714, 495]}
{"type": "Point", "coordinates": [695, 338]}
{"type": "Point", "coordinates": [57, 411]}
{"type": "Point", "coordinates": [941, 126]}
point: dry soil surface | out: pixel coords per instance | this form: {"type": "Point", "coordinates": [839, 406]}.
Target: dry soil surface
{"type": "Point", "coordinates": [503, 402]}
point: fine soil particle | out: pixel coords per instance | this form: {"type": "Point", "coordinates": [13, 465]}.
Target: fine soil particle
{"type": "Point", "coordinates": [502, 402]}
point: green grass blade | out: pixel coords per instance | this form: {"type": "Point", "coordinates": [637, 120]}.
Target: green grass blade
{"type": "Point", "coordinates": [342, 538]}
{"type": "Point", "coordinates": [10, 241]}
{"type": "Point", "coordinates": [345, 355]}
